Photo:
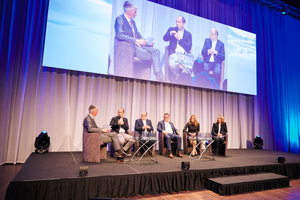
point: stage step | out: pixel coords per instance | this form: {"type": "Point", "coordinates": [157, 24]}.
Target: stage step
{"type": "Point", "coordinates": [238, 184]}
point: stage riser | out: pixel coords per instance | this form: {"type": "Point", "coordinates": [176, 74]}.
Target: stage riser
{"type": "Point", "coordinates": [243, 184]}
{"type": "Point", "coordinates": [133, 185]}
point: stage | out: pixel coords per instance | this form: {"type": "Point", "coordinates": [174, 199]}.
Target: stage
{"type": "Point", "coordinates": [54, 175]}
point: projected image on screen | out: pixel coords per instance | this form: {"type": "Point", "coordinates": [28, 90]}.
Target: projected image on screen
{"type": "Point", "coordinates": [144, 40]}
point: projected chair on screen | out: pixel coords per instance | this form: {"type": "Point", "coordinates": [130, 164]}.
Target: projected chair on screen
{"type": "Point", "coordinates": [125, 64]}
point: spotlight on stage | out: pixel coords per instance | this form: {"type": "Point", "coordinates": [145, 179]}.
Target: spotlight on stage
{"type": "Point", "coordinates": [42, 142]}
{"type": "Point", "coordinates": [258, 142]}
{"type": "Point", "coordinates": [83, 171]}
{"type": "Point", "coordinates": [185, 165]}
{"type": "Point", "coordinates": [283, 12]}
{"type": "Point", "coordinates": [281, 159]}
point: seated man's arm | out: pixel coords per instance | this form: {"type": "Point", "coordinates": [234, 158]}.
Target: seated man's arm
{"type": "Point", "coordinates": [175, 130]}
{"type": "Point", "coordinates": [138, 127]}
{"type": "Point", "coordinates": [186, 43]}
{"type": "Point", "coordinates": [114, 123]}
{"type": "Point", "coordinates": [159, 127]}
{"type": "Point", "coordinates": [221, 53]}
{"type": "Point", "coordinates": [167, 37]}
{"type": "Point", "coordinates": [125, 126]}
{"type": "Point", "coordinates": [205, 49]}
{"type": "Point", "coordinates": [151, 127]}
{"type": "Point", "coordinates": [90, 127]}
{"type": "Point", "coordinates": [120, 34]}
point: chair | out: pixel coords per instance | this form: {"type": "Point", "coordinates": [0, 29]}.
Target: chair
{"type": "Point", "coordinates": [186, 148]}
{"type": "Point", "coordinates": [224, 146]}
{"type": "Point", "coordinates": [125, 64]}
{"type": "Point", "coordinates": [112, 150]}
{"type": "Point", "coordinates": [167, 70]}
{"type": "Point", "coordinates": [137, 145]}
{"type": "Point", "coordinates": [93, 149]}
{"type": "Point", "coordinates": [163, 146]}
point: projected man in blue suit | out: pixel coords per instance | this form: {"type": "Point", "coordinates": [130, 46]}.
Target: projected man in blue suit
{"type": "Point", "coordinates": [126, 30]}
{"type": "Point", "coordinates": [180, 42]}
{"type": "Point", "coordinates": [214, 54]}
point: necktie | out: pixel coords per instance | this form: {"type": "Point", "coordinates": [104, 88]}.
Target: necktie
{"type": "Point", "coordinates": [134, 33]}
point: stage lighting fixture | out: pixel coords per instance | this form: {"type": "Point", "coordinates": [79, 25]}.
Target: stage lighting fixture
{"type": "Point", "coordinates": [42, 142]}
{"type": "Point", "coordinates": [281, 159]}
{"type": "Point", "coordinates": [258, 142]}
{"type": "Point", "coordinates": [83, 171]}
{"type": "Point", "coordinates": [185, 165]}
{"type": "Point", "coordinates": [283, 11]}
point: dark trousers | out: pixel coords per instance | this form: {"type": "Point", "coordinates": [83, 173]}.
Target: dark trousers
{"type": "Point", "coordinates": [215, 68]}
{"type": "Point", "coordinates": [173, 137]}
{"type": "Point", "coordinates": [218, 142]}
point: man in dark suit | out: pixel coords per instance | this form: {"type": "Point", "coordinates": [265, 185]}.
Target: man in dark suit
{"type": "Point", "coordinates": [180, 42]}
{"type": "Point", "coordinates": [214, 54]}
{"type": "Point", "coordinates": [169, 131]}
{"type": "Point", "coordinates": [144, 124]}
{"type": "Point", "coordinates": [219, 131]}
{"type": "Point", "coordinates": [119, 124]}
{"type": "Point", "coordinates": [126, 30]}
{"type": "Point", "coordinates": [90, 126]}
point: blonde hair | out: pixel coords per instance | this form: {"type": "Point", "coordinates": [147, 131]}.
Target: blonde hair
{"type": "Point", "coordinates": [222, 119]}
{"type": "Point", "coordinates": [196, 123]}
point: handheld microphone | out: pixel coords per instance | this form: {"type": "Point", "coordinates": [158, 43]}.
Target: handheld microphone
{"type": "Point", "coordinates": [119, 117]}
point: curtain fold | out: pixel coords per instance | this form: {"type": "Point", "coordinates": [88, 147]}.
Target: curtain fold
{"type": "Point", "coordinates": [35, 98]}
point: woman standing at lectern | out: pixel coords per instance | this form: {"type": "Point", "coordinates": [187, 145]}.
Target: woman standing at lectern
{"type": "Point", "coordinates": [219, 131]}
{"type": "Point", "coordinates": [191, 129]}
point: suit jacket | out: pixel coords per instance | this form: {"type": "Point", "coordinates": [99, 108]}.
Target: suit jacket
{"type": "Point", "coordinates": [185, 42]}
{"type": "Point", "coordinates": [139, 125]}
{"type": "Point", "coordinates": [124, 31]}
{"type": "Point", "coordinates": [116, 127]}
{"type": "Point", "coordinates": [90, 125]}
{"type": "Point", "coordinates": [220, 57]}
{"type": "Point", "coordinates": [215, 129]}
{"type": "Point", "coordinates": [161, 126]}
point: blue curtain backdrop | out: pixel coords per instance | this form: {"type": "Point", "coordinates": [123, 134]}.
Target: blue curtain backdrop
{"type": "Point", "coordinates": [22, 30]}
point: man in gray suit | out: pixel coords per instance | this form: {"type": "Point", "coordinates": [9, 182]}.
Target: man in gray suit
{"type": "Point", "coordinates": [169, 131]}
{"type": "Point", "coordinates": [90, 126]}
{"type": "Point", "coordinates": [126, 30]}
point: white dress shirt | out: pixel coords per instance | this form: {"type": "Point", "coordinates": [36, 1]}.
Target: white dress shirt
{"type": "Point", "coordinates": [168, 128]}
{"type": "Point", "coordinates": [213, 46]}
{"type": "Point", "coordinates": [121, 129]}
{"type": "Point", "coordinates": [179, 48]}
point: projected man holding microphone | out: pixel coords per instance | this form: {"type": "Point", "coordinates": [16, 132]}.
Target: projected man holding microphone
{"type": "Point", "coordinates": [180, 43]}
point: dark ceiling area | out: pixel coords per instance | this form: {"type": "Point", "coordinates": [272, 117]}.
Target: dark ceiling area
{"type": "Point", "coordinates": [294, 3]}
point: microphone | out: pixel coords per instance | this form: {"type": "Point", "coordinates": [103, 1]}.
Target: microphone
{"type": "Point", "coordinates": [119, 117]}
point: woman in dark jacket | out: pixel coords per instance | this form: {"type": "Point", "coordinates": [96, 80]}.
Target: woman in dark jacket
{"type": "Point", "coordinates": [219, 131]}
{"type": "Point", "coordinates": [191, 129]}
